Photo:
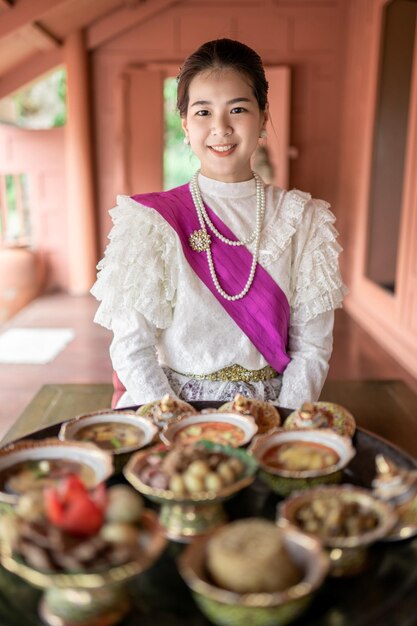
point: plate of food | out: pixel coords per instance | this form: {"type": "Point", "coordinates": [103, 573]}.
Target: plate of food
{"type": "Point", "coordinates": [322, 415]}
{"type": "Point", "coordinates": [31, 464]}
{"type": "Point", "coordinates": [190, 482]}
{"type": "Point", "coordinates": [118, 432]}
{"type": "Point", "coordinates": [234, 577]}
{"type": "Point", "coordinates": [265, 414]}
{"type": "Point", "coordinates": [163, 411]}
{"type": "Point", "coordinates": [293, 460]}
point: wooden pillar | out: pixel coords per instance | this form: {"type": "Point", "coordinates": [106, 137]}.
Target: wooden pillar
{"type": "Point", "coordinates": [82, 231]}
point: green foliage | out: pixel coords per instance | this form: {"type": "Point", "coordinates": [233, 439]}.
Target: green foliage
{"type": "Point", "coordinates": [43, 104]}
{"type": "Point", "coordinates": [179, 161]}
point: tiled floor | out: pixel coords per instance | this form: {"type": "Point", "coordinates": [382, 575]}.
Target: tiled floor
{"type": "Point", "coordinates": [85, 359]}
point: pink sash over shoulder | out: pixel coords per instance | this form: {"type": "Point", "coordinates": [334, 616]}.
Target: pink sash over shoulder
{"type": "Point", "coordinates": [263, 314]}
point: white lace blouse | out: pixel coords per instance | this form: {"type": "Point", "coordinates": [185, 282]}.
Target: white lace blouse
{"type": "Point", "coordinates": [162, 315]}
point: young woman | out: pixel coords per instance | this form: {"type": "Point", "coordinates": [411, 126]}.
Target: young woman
{"type": "Point", "coordinates": [225, 285]}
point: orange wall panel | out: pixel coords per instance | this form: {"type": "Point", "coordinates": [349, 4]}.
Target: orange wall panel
{"type": "Point", "coordinates": [308, 36]}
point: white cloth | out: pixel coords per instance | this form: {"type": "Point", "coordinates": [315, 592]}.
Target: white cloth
{"type": "Point", "coordinates": [161, 314]}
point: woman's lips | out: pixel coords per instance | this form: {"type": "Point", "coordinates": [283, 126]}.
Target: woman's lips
{"type": "Point", "coordinates": [222, 151]}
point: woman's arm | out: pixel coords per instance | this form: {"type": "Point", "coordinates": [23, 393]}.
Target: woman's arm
{"type": "Point", "coordinates": [134, 357]}
{"type": "Point", "coordinates": [317, 290]}
{"type": "Point", "coordinates": [136, 287]}
{"type": "Point", "coordinates": [310, 348]}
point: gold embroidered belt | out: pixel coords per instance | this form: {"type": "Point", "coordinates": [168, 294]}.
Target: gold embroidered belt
{"type": "Point", "coordinates": [237, 373]}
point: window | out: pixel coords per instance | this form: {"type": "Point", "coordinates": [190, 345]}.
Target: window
{"type": "Point", "coordinates": [15, 226]}
{"type": "Point", "coordinates": [390, 141]}
{"type": "Point", "coordinates": [41, 105]}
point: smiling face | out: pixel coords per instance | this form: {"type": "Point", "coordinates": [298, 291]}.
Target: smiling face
{"type": "Point", "coordinates": [223, 122]}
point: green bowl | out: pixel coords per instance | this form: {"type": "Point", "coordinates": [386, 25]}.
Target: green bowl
{"type": "Point", "coordinates": [228, 608]}
{"type": "Point", "coordinates": [348, 554]}
{"type": "Point", "coordinates": [192, 515]}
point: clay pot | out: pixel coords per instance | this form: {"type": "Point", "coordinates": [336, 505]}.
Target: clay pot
{"type": "Point", "coordinates": [22, 274]}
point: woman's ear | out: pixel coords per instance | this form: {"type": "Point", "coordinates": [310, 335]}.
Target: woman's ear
{"type": "Point", "coordinates": [184, 125]}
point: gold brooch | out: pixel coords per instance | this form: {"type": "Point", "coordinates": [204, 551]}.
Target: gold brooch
{"type": "Point", "coordinates": [199, 240]}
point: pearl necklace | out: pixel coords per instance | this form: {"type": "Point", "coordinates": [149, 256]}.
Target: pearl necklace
{"type": "Point", "coordinates": [200, 240]}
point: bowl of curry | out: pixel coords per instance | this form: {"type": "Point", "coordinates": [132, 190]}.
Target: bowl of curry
{"type": "Point", "coordinates": [119, 433]}
{"type": "Point", "coordinates": [228, 429]}
{"type": "Point", "coordinates": [295, 460]}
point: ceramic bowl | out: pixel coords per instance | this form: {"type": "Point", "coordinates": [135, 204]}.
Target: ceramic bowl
{"type": "Point", "coordinates": [163, 411]}
{"type": "Point", "coordinates": [189, 516]}
{"type": "Point", "coordinates": [228, 608]}
{"type": "Point", "coordinates": [348, 553]}
{"type": "Point", "coordinates": [246, 425]}
{"type": "Point", "coordinates": [285, 481]}
{"type": "Point", "coordinates": [90, 597]}
{"type": "Point", "coordinates": [322, 415]}
{"type": "Point", "coordinates": [48, 460]}
{"type": "Point", "coordinates": [265, 414]}
{"type": "Point", "coordinates": [398, 486]}
{"type": "Point", "coordinates": [144, 426]}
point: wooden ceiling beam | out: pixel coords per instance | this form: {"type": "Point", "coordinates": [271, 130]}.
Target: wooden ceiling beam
{"type": "Point", "coordinates": [39, 37]}
{"type": "Point", "coordinates": [24, 12]}
{"type": "Point", "coordinates": [29, 70]}
{"type": "Point", "coordinates": [124, 18]}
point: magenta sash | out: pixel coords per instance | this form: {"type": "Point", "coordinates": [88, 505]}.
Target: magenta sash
{"type": "Point", "coordinates": [263, 314]}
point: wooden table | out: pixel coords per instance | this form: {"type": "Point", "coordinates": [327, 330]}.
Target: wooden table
{"type": "Point", "coordinates": [385, 407]}
{"type": "Point", "coordinates": [385, 595]}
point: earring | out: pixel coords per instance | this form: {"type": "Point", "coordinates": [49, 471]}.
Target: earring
{"type": "Point", "coordinates": [263, 134]}
{"type": "Point", "coordinates": [186, 140]}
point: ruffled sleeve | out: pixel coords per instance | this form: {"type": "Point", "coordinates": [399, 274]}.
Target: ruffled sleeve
{"type": "Point", "coordinates": [316, 282]}
{"type": "Point", "coordinates": [138, 271]}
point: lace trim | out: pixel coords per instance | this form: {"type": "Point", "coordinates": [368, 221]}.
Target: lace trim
{"type": "Point", "coordinates": [277, 235]}
{"type": "Point", "coordinates": [139, 267]}
{"type": "Point", "coordinates": [319, 286]}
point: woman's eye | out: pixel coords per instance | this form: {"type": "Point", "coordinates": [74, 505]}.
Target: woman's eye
{"type": "Point", "coordinates": [202, 112]}
{"type": "Point", "coordinates": [238, 110]}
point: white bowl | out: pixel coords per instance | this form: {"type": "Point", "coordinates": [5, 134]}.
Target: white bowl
{"type": "Point", "coordinates": [70, 429]}
{"type": "Point", "coordinates": [96, 462]}
{"type": "Point", "coordinates": [246, 423]}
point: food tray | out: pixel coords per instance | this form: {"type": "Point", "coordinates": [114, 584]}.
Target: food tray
{"type": "Point", "coordinates": [384, 595]}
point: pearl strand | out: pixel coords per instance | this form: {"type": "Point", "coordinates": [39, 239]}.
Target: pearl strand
{"type": "Point", "coordinates": [201, 210]}
{"type": "Point", "coordinates": [256, 235]}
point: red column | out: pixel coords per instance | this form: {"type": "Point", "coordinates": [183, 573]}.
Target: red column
{"type": "Point", "coordinates": [79, 169]}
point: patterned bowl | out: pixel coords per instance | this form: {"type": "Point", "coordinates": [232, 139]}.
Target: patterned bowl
{"type": "Point", "coordinates": [144, 427]}
{"type": "Point", "coordinates": [363, 518]}
{"type": "Point", "coordinates": [243, 427]}
{"type": "Point", "coordinates": [265, 414]}
{"type": "Point", "coordinates": [284, 481]}
{"type": "Point", "coordinates": [32, 464]}
{"type": "Point", "coordinates": [322, 415]}
{"type": "Point", "coordinates": [168, 408]}
{"type": "Point", "coordinates": [90, 598]}
{"type": "Point", "coordinates": [186, 517]}
{"type": "Point", "coordinates": [228, 608]}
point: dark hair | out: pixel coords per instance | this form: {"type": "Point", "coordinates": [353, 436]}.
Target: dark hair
{"type": "Point", "coordinates": [221, 54]}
